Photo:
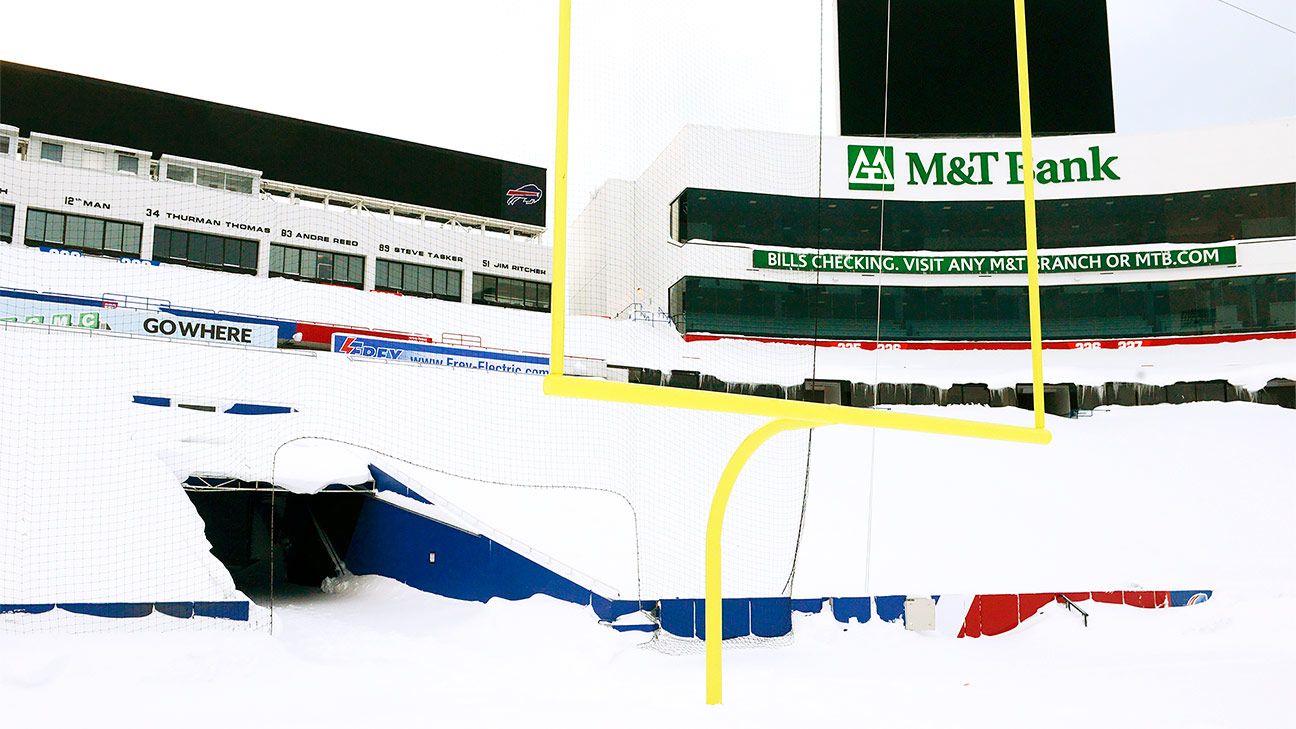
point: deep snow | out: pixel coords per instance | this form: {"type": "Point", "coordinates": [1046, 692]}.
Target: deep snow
{"type": "Point", "coordinates": [379, 653]}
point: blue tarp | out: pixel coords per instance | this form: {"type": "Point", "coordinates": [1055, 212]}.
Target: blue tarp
{"type": "Point", "coordinates": [845, 608]}
{"type": "Point", "coordinates": [384, 482]}
{"type": "Point", "coordinates": [735, 615]}
{"type": "Point", "coordinates": [890, 607]}
{"type": "Point", "coordinates": [808, 605]}
{"type": "Point", "coordinates": [251, 408]}
{"type": "Point", "coordinates": [436, 557]}
{"type": "Point", "coordinates": [771, 617]}
{"type": "Point", "coordinates": [677, 617]}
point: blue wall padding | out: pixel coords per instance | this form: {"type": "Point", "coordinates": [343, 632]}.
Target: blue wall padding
{"type": "Point", "coordinates": [677, 617]}
{"type": "Point", "coordinates": [649, 628]}
{"type": "Point", "coordinates": [251, 408]}
{"type": "Point", "coordinates": [1180, 598]}
{"type": "Point", "coordinates": [229, 610]}
{"type": "Point", "coordinates": [890, 608]}
{"type": "Point", "coordinates": [175, 609]}
{"type": "Point", "coordinates": [610, 610]}
{"type": "Point", "coordinates": [51, 298]}
{"type": "Point", "coordinates": [31, 609]}
{"type": "Point", "coordinates": [109, 609]}
{"type": "Point", "coordinates": [396, 543]}
{"type": "Point", "coordinates": [771, 617]}
{"type": "Point", "coordinates": [162, 402]}
{"type": "Point", "coordinates": [808, 605]}
{"type": "Point", "coordinates": [845, 608]}
{"type": "Point", "coordinates": [735, 614]}
{"type": "Point", "coordinates": [384, 482]}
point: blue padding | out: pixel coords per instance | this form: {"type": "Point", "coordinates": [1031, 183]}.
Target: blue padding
{"type": "Point", "coordinates": [635, 628]}
{"type": "Point", "coordinates": [51, 298]}
{"type": "Point", "coordinates": [250, 408]}
{"type": "Point", "coordinates": [109, 609]}
{"type": "Point", "coordinates": [771, 616]}
{"type": "Point", "coordinates": [808, 605]}
{"type": "Point", "coordinates": [227, 610]}
{"type": "Point", "coordinates": [162, 402]}
{"type": "Point", "coordinates": [175, 609]}
{"type": "Point", "coordinates": [677, 617]}
{"type": "Point", "coordinates": [30, 609]}
{"type": "Point", "coordinates": [735, 616]}
{"type": "Point", "coordinates": [286, 328]}
{"type": "Point", "coordinates": [384, 482]}
{"type": "Point", "coordinates": [1180, 598]}
{"type": "Point", "coordinates": [845, 608]}
{"type": "Point", "coordinates": [890, 608]}
{"type": "Point", "coordinates": [610, 610]}
{"type": "Point", "coordinates": [397, 543]}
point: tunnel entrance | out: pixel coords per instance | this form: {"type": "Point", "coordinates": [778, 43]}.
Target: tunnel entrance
{"type": "Point", "coordinates": [273, 541]}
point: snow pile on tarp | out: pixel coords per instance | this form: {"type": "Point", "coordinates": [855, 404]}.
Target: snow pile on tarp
{"type": "Point", "coordinates": [309, 465]}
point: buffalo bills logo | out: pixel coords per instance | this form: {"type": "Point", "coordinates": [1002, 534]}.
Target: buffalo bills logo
{"type": "Point", "coordinates": [526, 194]}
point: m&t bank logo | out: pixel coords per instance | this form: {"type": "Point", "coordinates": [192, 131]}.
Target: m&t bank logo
{"type": "Point", "coordinates": [871, 167]}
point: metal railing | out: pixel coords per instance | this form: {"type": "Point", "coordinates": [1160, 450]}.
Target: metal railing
{"type": "Point", "coordinates": [1083, 615]}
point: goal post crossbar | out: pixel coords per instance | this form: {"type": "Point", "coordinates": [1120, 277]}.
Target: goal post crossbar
{"type": "Point", "coordinates": [787, 414]}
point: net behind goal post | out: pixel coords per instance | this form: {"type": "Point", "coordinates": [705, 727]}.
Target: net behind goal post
{"type": "Point", "coordinates": [697, 179]}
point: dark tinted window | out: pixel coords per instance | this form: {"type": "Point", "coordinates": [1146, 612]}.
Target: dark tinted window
{"type": "Point", "coordinates": [6, 223]}
{"type": "Point", "coordinates": [203, 250]}
{"type": "Point", "coordinates": [306, 264]}
{"type": "Point", "coordinates": [511, 292]}
{"type": "Point", "coordinates": [92, 235]}
{"type": "Point", "coordinates": [1138, 309]}
{"type": "Point", "coordinates": [1205, 216]}
{"type": "Point", "coordinates": [415, 280]}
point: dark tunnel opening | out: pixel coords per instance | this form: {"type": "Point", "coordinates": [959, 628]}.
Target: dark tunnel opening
{"type": "Point", "coordinates": [274, 542]}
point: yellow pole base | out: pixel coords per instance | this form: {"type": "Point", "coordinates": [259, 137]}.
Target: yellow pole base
{"type": "Point", "coordinates": [715, 522]}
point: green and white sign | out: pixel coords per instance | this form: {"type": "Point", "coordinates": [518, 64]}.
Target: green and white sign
{"type": "Point", "coordinates": [872, 167]}
{"type": "Point", "coordinates": [995, 263]}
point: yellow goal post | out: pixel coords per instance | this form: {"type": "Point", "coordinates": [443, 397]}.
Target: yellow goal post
{"type": "Point", "coordinates": [785, 414]}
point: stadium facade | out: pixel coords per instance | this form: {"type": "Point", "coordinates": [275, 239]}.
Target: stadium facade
{"type": "Point", "coordinates": [144, 238]}
{"type": "Point", "coordinates": [1175, 237]}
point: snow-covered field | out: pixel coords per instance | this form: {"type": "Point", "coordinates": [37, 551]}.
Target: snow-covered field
{"type": "Point", "coordinates": [1164, 497]}
{"type": "Point", "coordinates": [381, 654]}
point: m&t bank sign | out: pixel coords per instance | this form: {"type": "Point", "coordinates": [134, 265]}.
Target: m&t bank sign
{"type": "Point", "coordinates": [873, 168]}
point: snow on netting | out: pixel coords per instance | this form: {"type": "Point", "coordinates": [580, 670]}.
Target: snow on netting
{"type": "Point", "coordinates": [196, 348]}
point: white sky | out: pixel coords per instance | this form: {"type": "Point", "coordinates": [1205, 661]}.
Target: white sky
{"type": "Point", "coordinates": [480, 76]}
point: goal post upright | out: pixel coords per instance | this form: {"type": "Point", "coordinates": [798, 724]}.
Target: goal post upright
{"type": "Point", "coordinates": [787, 414]}
{"type": "Point", "coordinates": [1032, 244]}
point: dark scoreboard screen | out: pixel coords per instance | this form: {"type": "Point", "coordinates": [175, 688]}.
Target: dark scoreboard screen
{"type": "Point", "coordinates": [951, 68]}
{"type": "Point", "coordinates": [282, 148]}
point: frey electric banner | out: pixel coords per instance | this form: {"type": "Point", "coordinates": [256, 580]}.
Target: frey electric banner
{"type": "Point", "coordinates": [394, 350]}
{"type": "Point", "coordinates": [136, 321]}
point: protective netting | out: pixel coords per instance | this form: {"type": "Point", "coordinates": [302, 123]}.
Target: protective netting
{"type": "Point", "coordinates": [213, 361]}
{"type": "Point", "coordinates": [207, 361]}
